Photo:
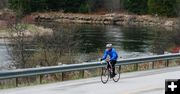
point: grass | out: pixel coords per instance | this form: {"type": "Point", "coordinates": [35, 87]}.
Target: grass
{"type": "Point", "coordinates": [32, 28]}
{"type": "Point", "coordinates": [29, 27]}
{"type": "Point", "coordinates": [3, 29]}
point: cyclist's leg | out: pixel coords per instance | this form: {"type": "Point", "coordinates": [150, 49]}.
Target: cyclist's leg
{"type": "Point", "coordinates": [108, 65]}
{"type": "Point", "coordinates": [113, 62]}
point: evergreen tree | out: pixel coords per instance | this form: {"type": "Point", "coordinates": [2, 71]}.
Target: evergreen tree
{"type": "Point", "coordinates": [162, 7]}
{"type": "Point", "coordinates": [20, 6]}
{"type": "Point", "coordinates": [136, 6]}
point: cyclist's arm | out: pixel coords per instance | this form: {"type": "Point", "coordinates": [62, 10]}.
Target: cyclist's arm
{"type": "Point", "coordinates": [105, 55]}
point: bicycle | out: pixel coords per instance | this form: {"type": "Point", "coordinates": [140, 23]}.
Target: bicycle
{"type": "Point", "coordinates": [107, 72]}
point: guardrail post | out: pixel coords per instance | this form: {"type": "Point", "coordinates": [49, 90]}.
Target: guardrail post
{"type": "Point", "coordinates": [167, 63]}
{"type": "Point", "coordinates": [40, 79]}
{"type": "Point", "coordinates": [136, 66]}
{"type": "Point", "coordinates": [120, 68]}
{"type": "Point", "coordinates": [16, 82]}
{"type": "Point", "coordinates": [153, 64]}
{"type": "Point", "coordinates": [40, 76]}
{"type": "Point", "coordinates": [82, 74]}
{"type": "Point", "coordinates": [62, 76]}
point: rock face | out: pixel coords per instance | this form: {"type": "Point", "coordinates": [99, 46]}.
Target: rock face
{"type": "Point", "coordinates": [169, 23]}
{"type": "Point", "coordinates": [113, 18]}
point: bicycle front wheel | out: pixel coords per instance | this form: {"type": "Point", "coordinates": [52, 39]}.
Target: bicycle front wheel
{"type": "Point", "coordinates": [117, 76]}
{"type": "Point", "coordinates": [104, 76]}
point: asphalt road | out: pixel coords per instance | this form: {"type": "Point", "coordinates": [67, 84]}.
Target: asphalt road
{"type": "Point", "coordinates": [143, 82]}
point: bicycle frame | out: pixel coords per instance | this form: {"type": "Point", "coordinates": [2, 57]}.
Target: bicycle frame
{"type": "Point", "coordinates": [108, 62]}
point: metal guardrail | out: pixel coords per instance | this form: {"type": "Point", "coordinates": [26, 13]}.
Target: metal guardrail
{"type": "Point", "coordinates": [84, 66]}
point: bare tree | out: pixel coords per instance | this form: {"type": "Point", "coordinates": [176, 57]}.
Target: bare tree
{"type": "Point", "coordinates": [17, 49]}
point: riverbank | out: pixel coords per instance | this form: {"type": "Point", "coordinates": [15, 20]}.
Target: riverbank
{"type": "Point", "coordinates": [110, 19]}
{"type": "Point", "coordinates": [31, 31]}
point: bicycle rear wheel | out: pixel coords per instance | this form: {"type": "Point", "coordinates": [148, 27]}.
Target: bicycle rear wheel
{"type": "Point", "coordinates": [117, 76]}
{"type": "Point", "coordinates": [104, 75]}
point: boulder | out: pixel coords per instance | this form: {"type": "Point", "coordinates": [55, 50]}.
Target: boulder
{"type": "Point", "coordinates": [169, 23]}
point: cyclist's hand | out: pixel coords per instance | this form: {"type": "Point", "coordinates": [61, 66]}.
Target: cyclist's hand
{"type": "Point", "coordinates": [101, 60]}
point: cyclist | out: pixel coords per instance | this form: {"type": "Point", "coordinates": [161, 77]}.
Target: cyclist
{"type": "Point", "coordinates": [113, 57]}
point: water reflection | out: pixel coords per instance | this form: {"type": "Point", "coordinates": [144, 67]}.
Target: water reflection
{"type": "Point", "coordinates": [127, 39]}
{"type": "Point", "coordinates": [75, 43]}
{"type": "Point", "coordinates": [90, 39]}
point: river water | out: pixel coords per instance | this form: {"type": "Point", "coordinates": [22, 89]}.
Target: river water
{"type": "Point", "coordinates": [88, 41]}
{"type": "Point", "coordinates": [127, 40]}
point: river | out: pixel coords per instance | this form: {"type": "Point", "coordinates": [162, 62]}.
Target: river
{"type": "Point", "coordinates": [87, 42]}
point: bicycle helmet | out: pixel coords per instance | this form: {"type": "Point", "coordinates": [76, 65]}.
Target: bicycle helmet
{"type": "Point", "coordinates": [108, 45]}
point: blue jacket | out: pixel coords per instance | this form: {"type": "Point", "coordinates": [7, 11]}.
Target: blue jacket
{"type": "Point", "coordinates": [112, 53]}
